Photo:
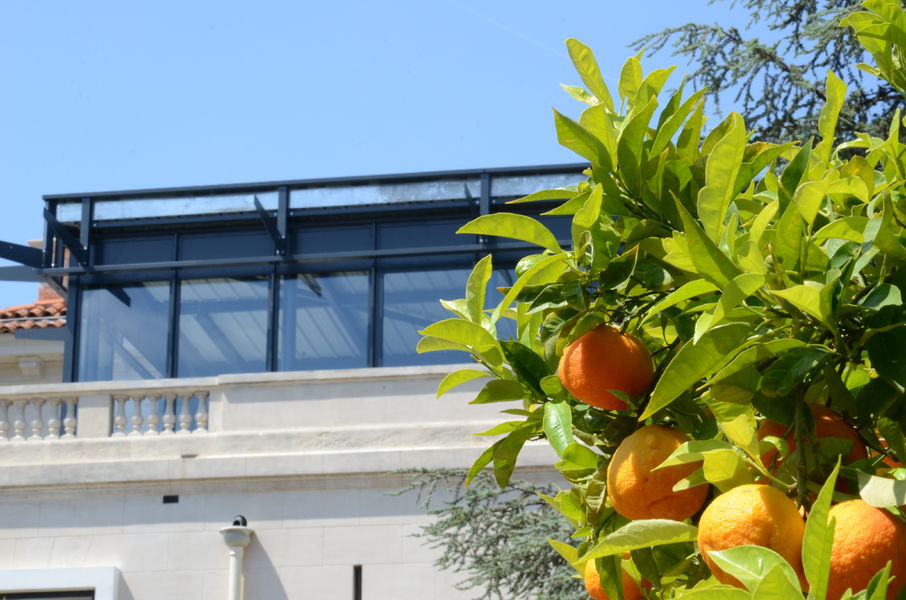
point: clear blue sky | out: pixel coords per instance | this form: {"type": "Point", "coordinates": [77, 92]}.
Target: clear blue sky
{"type": "Point", "coordinates": [103, 95]}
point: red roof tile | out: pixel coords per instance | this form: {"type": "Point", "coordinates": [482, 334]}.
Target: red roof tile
{"type": "Point", "coordinates": [37, 315]}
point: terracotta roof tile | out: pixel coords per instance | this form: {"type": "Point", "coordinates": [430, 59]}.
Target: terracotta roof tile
{"type": "Point", "coordinates": [42, 314]}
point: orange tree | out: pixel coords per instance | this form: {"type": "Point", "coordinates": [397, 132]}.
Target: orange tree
{"type": "Point", "coordinates": [766, 283]}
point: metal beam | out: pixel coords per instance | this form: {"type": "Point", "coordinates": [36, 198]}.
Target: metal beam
{"type": "Point", "coordinates": [24, 255]}
{"type": "Point", "coordinates": [270, 223]}
{"type": "Point", "coordinates": [67, 237]}
{"type": "Point", "coordinates": [18, 273]}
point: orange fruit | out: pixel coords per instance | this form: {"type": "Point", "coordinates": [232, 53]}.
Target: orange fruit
{"type": "Point", "coordinates": [606, 359]}
{"type": "Point", "coordinates": [751, 514]}
{"type": "Point", "coordinates": [638, 492]}
{"type": "Point", "coordinates": [631, 589]}
{"type": "Point", "coordinates": [827, 424]}
{"type": "Point", "coordinates": [865, 538]}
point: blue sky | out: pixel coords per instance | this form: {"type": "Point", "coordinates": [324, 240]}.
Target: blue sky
{"type": "Point", "coordinates": [103, 95]}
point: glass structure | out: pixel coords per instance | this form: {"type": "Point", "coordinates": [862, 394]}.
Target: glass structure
{"type": "Point", "coordinates": [285, 276]}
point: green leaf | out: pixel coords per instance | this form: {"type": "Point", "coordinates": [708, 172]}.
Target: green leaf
{"type": "Point", "coordinates": [500, 390]}
{"type": "Point", "coordinates": [630, 77]}
{"type": "Point", "coordinates": [687, 291]}
{"type": "Point", "coordinates": [581, 456]}
{"type": "Point", "coordinates": [887, 352]}
{"type": "Point", "coordinates": [507, 452]}
{"type": "Point", "coordinates": [476, 288]}
{"type": "Point", "coordinates": [569, 553]}
{"type": "Point", "coordinates": [777, 584]}
{"type": "Point", "coordinates": [577, 138]}
{"type": "Point", "coordinates": [751, 564]}
{"type": "Point", "coordinates": [717, 592]}
{"type": "Point", "coordinates": [528, 366]}
{"type": "Point", "coordinates": [642, 534]}
{"type": "Point", "coordinates": [458, 378]}
{"type": "Point", "coordinates": [819, 538]}
{"type": "Point", "coordinates": [808, 298]}
{"type": "Point", "coordinates": [666, 132]}
{"type": "Point", "coordinates": [515, 226]}
{"type": "Point", "coordinates": [434, 344]}
{"type": "Point", "coordinates": [460, 331]}
{"type": "Point", "coordinates": [482, 461]}
{"type": "Point", "coordinates": [734, 294]}
{"type": "Point", "coordinates": [808, 199]}
{"type": "Point", "coordinates": [695, 361]}
{"type": "Point", "coordinates": [847, 228]}
{"type": "Point", "coordinates": [881, 491]}
{"type": "Point", "coordinates": [788, 238]}
{"type": "Point", "coordinates": [722, 465]}
{"type": "Point", "coordinates": [835, 94]}
{"type": "Point", "coordinates": [563, 193]}
{"type": "Point", "coordinates": [584, 61]}
{"type": "Point", "coordinates": [543, 271]}
{"type": "Point", "coordinates": [790, 370]}
{"type": "Point", "coordinates": [881, 296]}
{"type": "Point", "coordinates": [558, 426]}
{"type": "Point", "coordinates": [720, 178]}
{"type": "Point", "coordinates": [710, 262]}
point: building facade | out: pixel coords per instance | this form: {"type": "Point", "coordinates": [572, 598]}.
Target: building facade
{"type": "Point", "coordinates": [243, 350]}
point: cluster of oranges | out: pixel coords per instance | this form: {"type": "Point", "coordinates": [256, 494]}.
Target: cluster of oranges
{"type": "Point", "coordinates": [865, 537]}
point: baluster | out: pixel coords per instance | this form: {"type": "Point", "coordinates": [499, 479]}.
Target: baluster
{"type": "Point", "coordinates": [185, 417]}
{"type": "Point", "coordinates": [19, 423]}
{"type": "Point", "coordinates": [169, 414]}
{"type": "Point", "coordinates": [53, 423]}
{"type": "Point", "coordinates": [119, 418]}
{"type": "Point", "coordinates": [137, 418]}
{"type": "Point", "coordinates": [4, 420]}
{"type": "Point", "coordinates": [37, 424]}
{"type": "Point", "coordinates": [153, 416]}
{"type": "Point", "coordinates": [70, 423]}
{"type": "Point", "coordinates": [201, 416]}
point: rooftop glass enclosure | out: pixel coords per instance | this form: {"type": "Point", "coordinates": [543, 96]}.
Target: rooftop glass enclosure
{"type": "Point", "coordinates": [316, 274]}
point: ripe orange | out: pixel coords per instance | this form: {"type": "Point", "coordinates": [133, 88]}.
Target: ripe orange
{"type": "Point", "coordinates": [605, 359]}
{"type": "Point", "coordinates": [751, 514]}
{"type": "Point", "coordinates": [637, 492]}
{"type": "Point", "coordinates": [827, 424]}
{"type": "Point", "coordinates": [631, 589]}
{"type": "Point", "coordinates": [865, 538]}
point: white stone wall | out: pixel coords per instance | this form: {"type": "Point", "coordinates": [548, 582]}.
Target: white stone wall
{"type": "Point", "coordinates": [304, 457]}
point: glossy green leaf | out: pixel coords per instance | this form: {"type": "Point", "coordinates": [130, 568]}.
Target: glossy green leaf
{"type": "Point", "coordinates": [515, 226]}
{"type": "Point", "coordinates": [776, 584]}
{"type": "Point", "coordinates": [482, 461]}
{"type": "Point", "coordinates": [506, 454]}
{"type": "Point", "coordinates": [687, 291]}
{"type": "Point", "coordinates": [460, 331]}
{"type": "Point", "coordinates": [808, 299]}
{"type": "Point", "coordinates": [881, 491]}
{"type": "Point", "coordinates": [835, 95]}
{"type": "Point", "coordinates": [558, 426]}
{"type": "Point", "coordinates": [642, 534]}
{"type": "Point", "coordinates": [630, 77]}
{"type": "Point", "coordinates": [709, 260]}
{"type": "Point", "coordinates": [584, 61]}
{"type": "Point", "coordinates": [717, 592]}
{"type": "Point", "coordinates": [666, 132]}
{"type": "Point", "coordinates": [458, 378]}
{"type": "Point", "coordinates": [751, 564]}
{"type": "Point", "coordinates": [733, 295]}
{"type": "Point", "coordinates": [808, 199]}
{"type": "Point", "coordinates": [887, 352]}
{"type": "Point", "coordinates": [563, 193]}
{"type": "Point", "coordinates": [476, 287]}
{"type": "Point", "coordinates": [721, 169]}
{"type": "Point", "coordinates": [846, 228]}
{"type": "Point", "coordinates": [696, 361]}
{"type": "Point", "coordinates": [543, 271]}
{"type": "Point", "coordinates": [500, 390]}
{"type": "Point", "coordinates": [569, 553]}
{"type": "Point", "coordinates": [574, 136]}
{"type": "Point", "coordinates": [818, 539]}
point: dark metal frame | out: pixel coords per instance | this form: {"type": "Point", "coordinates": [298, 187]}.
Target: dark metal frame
{"type": "Point", "coordinates": [69, 259]}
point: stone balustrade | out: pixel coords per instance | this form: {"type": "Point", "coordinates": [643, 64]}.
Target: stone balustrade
{"type": "Point", "coordinates": [37, 419]}
{"type": "Point", "coordinates": [160, 413]}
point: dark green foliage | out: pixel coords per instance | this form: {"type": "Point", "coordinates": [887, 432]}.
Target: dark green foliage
{"type": "Point", "coordinates": [778, 79]}
{"type": "Point", "coordinates": [496, 537]}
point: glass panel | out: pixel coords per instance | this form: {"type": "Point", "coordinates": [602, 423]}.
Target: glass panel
{"type": "Point", "coordinates": [522, 185]}
{"type": "Point", "coordinates": [123, 332]}
{"type": "Point", "coordinates": [222, 326]}
{"type": "Point", "coordinates": [332, 238]}
{"type": "Point", "coordinates": [419, 234]}
{"type": "Point", "coordinates": [225, 244]}
{"type": "Point", "coordinates": [411, 302]}
{"type": "Point", "coordinates": [135, 249]}
{"type": "Point", "coordinates": [175, 206]}
{"type": "Point", "coordinates": [324, 321]}
{"type": "Point", "coordinates": [385, 193]}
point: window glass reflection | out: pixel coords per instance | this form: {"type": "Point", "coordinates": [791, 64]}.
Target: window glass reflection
{"type": "Point", "coordinates": [222, 326]}
{"type": "Point", "coordinates": [411, 304]}
{"type": "Point", "coordinates": [123, 332]}
{"type": "Point", "coordinates": [324, 321]}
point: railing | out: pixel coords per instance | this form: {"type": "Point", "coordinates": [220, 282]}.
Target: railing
{"type": "Point", "coordinates": [160, 413]}
{"type": "Point", "coordinates": [34, 419]}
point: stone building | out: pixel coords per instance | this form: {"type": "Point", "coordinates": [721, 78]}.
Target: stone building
{"type": "Point", "coordinates": [242, 350]}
